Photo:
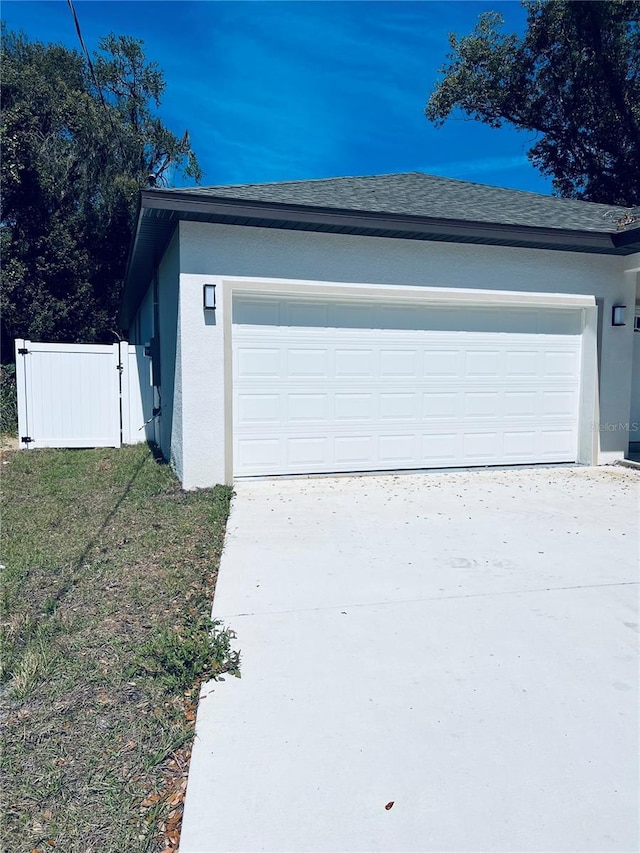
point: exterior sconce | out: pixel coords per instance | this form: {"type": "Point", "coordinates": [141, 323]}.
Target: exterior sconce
{"type": "Point", "coordinates": [209, 297]}
{"type": "Point", "coordinates": [617, 315]}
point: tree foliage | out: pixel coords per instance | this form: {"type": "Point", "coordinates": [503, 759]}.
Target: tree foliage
{"type": "Point", "coordinates": [573, 79]}
{"type": "Point", "coordinates": [79, 141]}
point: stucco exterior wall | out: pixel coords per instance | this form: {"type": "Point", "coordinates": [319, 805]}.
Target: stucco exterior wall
{"type": "Point", "coordinates": [271, 252]}
{"type": "Point", "coordinates": [140, 333]}
{"type": "Point", "coordinates": [635, 373]}
{"type": "Point", "coordinates": [209, 253]}
{"type": "Point", "coordinates": [141, 330]}
{"type": "Point", "coordinates": [202, 351]}
{"type": "Point", "coordinates": [169, 318]}
{"type": "Point", "coordinates": [635, 393]}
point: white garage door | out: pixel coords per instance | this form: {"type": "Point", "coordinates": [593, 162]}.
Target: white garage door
{"type": "Point", "coordinates": [322, 386]}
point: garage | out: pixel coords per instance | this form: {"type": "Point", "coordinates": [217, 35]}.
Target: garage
{"type": "Point", "coordinates": [382, 323]}
{"type": "Point", "coordinates": [356, 384]}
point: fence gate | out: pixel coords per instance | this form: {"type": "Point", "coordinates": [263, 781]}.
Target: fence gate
{"type": "Point", "coordinates": [69, 395]}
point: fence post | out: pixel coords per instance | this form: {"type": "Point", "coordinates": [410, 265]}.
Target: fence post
{"type": "Point", "coordinates": [125, 408]}
{"type": "Point", "coordinates": [22, 394]}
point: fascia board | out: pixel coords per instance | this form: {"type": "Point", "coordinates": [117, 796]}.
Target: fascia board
{"type": "Point", "coordinates": [133, 248]}
{"type": "Point", "coordinates": [184, 203]}
{"type": "Point", "coordinates": [630, 237]}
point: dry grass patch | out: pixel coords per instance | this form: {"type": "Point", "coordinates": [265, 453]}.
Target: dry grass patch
{"type": "Point", "coordinates": [109, 571]}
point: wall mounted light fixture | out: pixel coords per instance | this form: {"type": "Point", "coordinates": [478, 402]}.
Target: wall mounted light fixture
{"type": "Point", "coordinates": [617, 315]}
{"type": "Point", "coordinates": [209, 297]}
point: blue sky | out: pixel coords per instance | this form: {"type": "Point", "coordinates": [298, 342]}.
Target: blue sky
{"type": "Point", "coordinates": [274, 91]}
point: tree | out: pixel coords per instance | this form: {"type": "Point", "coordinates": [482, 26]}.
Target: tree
{"type": "Point", "coordinates": [80, 140]}
{"type": "Point", "coordinates": [573, 79]}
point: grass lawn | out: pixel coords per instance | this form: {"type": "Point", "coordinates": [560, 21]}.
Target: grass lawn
{"type": "Point", "coordinates": [108, 576]}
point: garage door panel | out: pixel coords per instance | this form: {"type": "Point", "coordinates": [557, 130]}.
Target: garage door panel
{"type": "Point", "coordinates": [482, 404]}
{"type": "Point", "coordinates": [312, 312]}
{"type": "Point", "coordinates": [351, 316]}
{"type": "Point", "coordinates": [559, 403]}
{"type": "Point", "coordinates": [258, 454]}
{"type": "Point", "coordinates": [394, 363]}
{"type": "Point", "coordinates": [354, 407]}
{"type": "Point", "coordinates": [302, 408]}
{"type": "Point", "coordinates": [254, 361]}
{"type": "Point", "coordinates": [308, 314]}
{"type": "Point", "coordinates": [397, 449]}
{"type": "Point", "coordinates": [560, 363]}
{"type": "Point", "coordinates": [521, 363]}
{"type": "Point", "coordinates": [398, 406]}
{"type": "Point", "coordinates": [521, 322]}
{"type": "Point", "coordinates": [262, 408]}
{"type": "Point", "coordinates": [562, 322]}
{"type": "Point", "coordinates": [557, 441]}
{"type": "Point", "coordinates": [259, 312]}
{"type": "Point", "coordinates": [520, 444]}
{"type": "Point", "coordinates": [354, 362]}
{"type": "Point", "coordinates": [519, 404]}
{"type": "Point", "coordinates": [481, 445]}
{"type": "Point", "coordinates": [354, 450]}
{"type": "Point", "coordinates": [403, 317]}
{"type": "Point", "coordinates": [440, 448]}
{"type": "Point", "coordinates": [308, 451]}
{"type": "Point", "coordinates": [313, 398]}
{"type": "Point", "coordinates": [443, 363]}
{"type": "Point", "coordinates": [307, 362]}
{"type": "Point", "coordinates": [439, 405]}
{"type": "Point", "coordinates": [483, 363]}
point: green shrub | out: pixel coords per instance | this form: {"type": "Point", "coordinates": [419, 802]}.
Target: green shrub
{"type": "Point", "coordinates": [8, 400]}
{"type": "Point", "coordinates": [181, 657]}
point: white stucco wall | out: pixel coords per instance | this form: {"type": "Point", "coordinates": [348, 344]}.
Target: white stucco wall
{"type": "Point", "coordinates": [212, 252]}
{"type": "Point", "coordinates": [170, 433]}
{"type": "Point", "coordinates": [202, 383]}
{"type": "Point", "coordinates": [140, 333]}
{"type": "Point", "coordinates": [635, 375]}
{"type": "Point", "coordinates": [635, 393]}
{"type": "Point", "coordinates": [141, 330]}
{"type": "Point", "coordinates": [193, 395]}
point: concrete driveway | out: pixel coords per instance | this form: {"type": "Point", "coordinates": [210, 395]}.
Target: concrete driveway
{"type": "Point", "coordinates": [462, 645]}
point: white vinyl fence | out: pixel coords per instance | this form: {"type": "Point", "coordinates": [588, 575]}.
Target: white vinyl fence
{"type": "Point", "coordinates": [82, 395]}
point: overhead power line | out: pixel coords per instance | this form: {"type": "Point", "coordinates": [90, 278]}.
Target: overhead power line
{"type": "Point", "coordinates": [94, 78]}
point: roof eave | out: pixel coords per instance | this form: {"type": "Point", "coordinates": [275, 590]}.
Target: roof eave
{"type": "Point", "coordinates": [187, 203]}
{"type": "Point", "coordinates": [187, 206]}
{"type": "Point", "coordinates": [630, 238]}
{"type": "Point", "coordinates": [132, 252]}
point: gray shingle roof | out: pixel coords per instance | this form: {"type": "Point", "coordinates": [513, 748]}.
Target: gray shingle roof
{"type": "Point", "coordinates": [410, 206]}
{"type": "Point", "coordinates": [419, 194]}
